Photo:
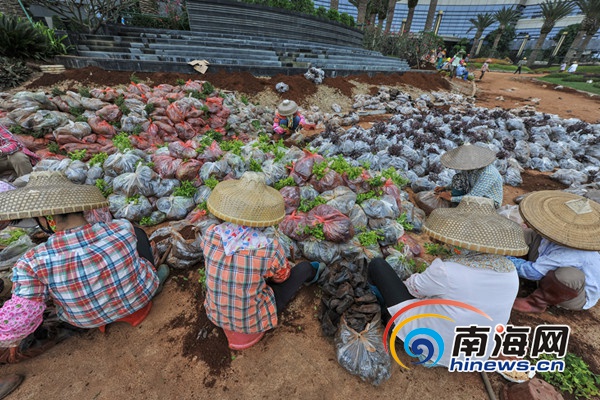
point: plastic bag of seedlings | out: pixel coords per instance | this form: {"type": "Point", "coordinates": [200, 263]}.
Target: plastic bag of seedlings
{"type": "Point", "coordinates": [358, 217]}
{"type": "Point", "coordinates": [175, 207]}
{"type": "Point", "coordinates": [77, 172]}
{"type": "Point", "coordinates": [341, 198]}
{"type": "Point", "coordinates": [11, 253]}
{"type": "Point", "coordinates": [355, 252]}
{"type": "Point", "coordinates": [211, 153]}
{"type": "Point", "coordinates": [156, 218]}
{"type": "Point", "coordinates": [121, 163]}
{"type": "Point", "coordinates": [320, 250]}
{"type": "Point", "coordinates": [94, 173]}
{"type": "Point", "coordinates": [218, 169]}
{"type": "Point", "coordinates": [188, 170]}
{"type": "Point", "coordinates": [143, 181]}
{"type": "Point", "coordinates": [291, 198]}
{"type": "Point", "coordinates": [391, 229]}
{"type": "Point", "coordinates": [293, 225]}
{"type": "Point", "coordinates": [307, 192]}
{"type": "Point", "coordinates": [569, 177]}
{"type": "Point", "coordinates": [292, 251]}
{"type": "Point", "coordinates": [303, 167]}
{"type": "Point", "coordinates": [330, 181]}
{"type": "Point", "coordinates": [399, 261]}
{"type": "Point", "coordinates": [363, 353]}
{"type": "Point", "coordinates": [513, 177]}
{"type": "Point", "coordinates": [337, 227]}
{"type": "Point", "coordinates": [293, 154]}
{"type": "Point", "coordinates": [185, 239]}
{"type": "Point", "coordinates": [236, 164]}
{"type": "Point", "coordinates": [131, 208]}
{"type": "Point", "coordinates": [273, 171]}
{"type": "Point", "coordinates": [166, 187]}
{"type": "Point", "coordinates": [429, 201]}
{"type": "Point", "coordinates": [384, 208]}
{"type": "Point", "coordinates": [202, 194]}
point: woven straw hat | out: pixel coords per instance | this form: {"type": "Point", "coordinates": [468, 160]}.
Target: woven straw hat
{"type": "Point", "coordinates": [287, 107]}
{"type": "Point", "coordinates": [475, 225]}
{"type": "Point", "coordinates": [49, 193]}
{"type": "Point", "coordinates": [564, 218]}
{"type": "Point", "coordinates": [468, 157]}
{"type": "Point", "coordinates": [247, 201]}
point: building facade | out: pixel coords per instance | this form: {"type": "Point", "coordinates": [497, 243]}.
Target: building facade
{"type": "Point", "coordinates": [456, 15]}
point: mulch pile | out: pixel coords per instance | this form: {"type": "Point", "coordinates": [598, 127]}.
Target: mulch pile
{"type": "Point", "coordinates": [242, 82]}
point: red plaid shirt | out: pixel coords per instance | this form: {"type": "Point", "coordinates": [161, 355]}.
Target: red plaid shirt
{"type": "Point", "coordinates": [237, 295]}
{"type": "Point", "coordinates": [10, 145]}
{"type": "Point", "coordinates": [93, 274]}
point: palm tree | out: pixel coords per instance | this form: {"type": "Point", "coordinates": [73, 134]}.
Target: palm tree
{"type": "Point", "coordinates": [481, 23]}
{"type": "Point", "coordinates": [361, 6]}
{"type": "Point", "coordinates": [390, 15]}
{"type": "Point", "coordinates": [411, 12]}
{"type": "Point", "coordinates": [589, 27]}
{"type": "Point", "coordinates": [552, 12]}
{"type": "Point", "coordinates": [430, 15]}
{"type": "Point", "coordinates": [334, 5]}
{"type": "Point", "coordinates": [505, 17]}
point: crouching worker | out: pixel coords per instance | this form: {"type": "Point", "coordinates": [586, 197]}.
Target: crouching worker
{"type": "Point", "coordinates": [480, 276]}
{"type": "Point", "coordinates": [288, 120]}
{"type": "Point", "coordinates": [92, 274]}
{"type": "Point", "coordinates": [563, 256]}
{"type": "Point", "coordinates": [248, 278]}
{"type": "Point", "coordinates": [476, 174]}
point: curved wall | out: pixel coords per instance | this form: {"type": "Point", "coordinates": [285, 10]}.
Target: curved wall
{"type": "Point", "coordinates": [229, 16]}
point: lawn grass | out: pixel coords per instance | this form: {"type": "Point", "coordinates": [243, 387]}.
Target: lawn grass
{"type": "Point", "coordinates": [587, 87]}
{"type": "Point", "coordinates": [587, 69]}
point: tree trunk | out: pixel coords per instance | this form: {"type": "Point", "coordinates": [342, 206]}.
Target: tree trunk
{"type": "Point", "coordinates": [496, 41]}
{"type": "Point", "coordinates": [476, 42]}
{"type": "Point", "coordinates": [574, 47]}
{"type": "Point", "coordinates": [362, 12]}
{"type": "Point", "coordinates": [536, 49]}
{"type": "Point", "coordinates": [149, 7]}
{"type": "Point", "coordinates": [409, 18]}
{"type": "Point", "coordinates": [585, 42]}
{"type": "Point", "coordinates": [390, 16]}
{"type": "Point", "coordinates": [334, 5]}
{"type": "Point", "coordinates": [430, 15]}
{"type": "Point", "coordinates": [372, 20]}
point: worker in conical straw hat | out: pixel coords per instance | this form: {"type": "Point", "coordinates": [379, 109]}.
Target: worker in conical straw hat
{"type": "Point", "coordinates": [288, 119]}
{"type": "Point", "coordinates": [94, 274]}
{"type": "Point", "coordinates": [477, 273]}
{"type": "Point", "coordinates": [564, 239]}
{"type": "Point", "coordinates": [476, 176]}
{"type": "Point", "coordinates": [248, 277]}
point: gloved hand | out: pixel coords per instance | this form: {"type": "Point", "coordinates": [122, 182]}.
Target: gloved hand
{"type": "Point", "coordinates": [439, 189]}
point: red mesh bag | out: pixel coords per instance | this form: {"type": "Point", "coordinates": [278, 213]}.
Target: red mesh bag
{"type": "Point", "coordinates": [303, 167]}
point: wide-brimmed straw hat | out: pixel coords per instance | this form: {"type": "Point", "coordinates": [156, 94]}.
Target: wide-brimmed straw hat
{"type": "Point", "coordinates": [49, 193]}
{"type": "Point", "coordinates": [468, 157]}
{"type": "Point", "coordinates": [287, 107]}
{"type": "Point", "coordinates": [247, 201]}
{"type": "Point", "coordinates": [475, 225]}
{"type": "Point", "coordinates": [564, 218]}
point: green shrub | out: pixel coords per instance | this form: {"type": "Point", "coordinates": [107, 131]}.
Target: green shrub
{"type": "Point", "coordinates": [187, 189]}
{"type": "Point", "coordinates": [321, 12]}
{"type": "Point", "coordinates": [12, 72]}
{"type": "Point", "coordinates": [98, 159]}
{"type": "Point", "coordinates": [334, 15]}
{"type": "Point", "coordinates": [121, 142]}
{"type": "Point", "coordinates": [347, 19]}
{"type": "Point", "coordinates": [576, 379]}
{"type": "Point", "coordinates": [574, 78]}
{"type": "Point", "coordinates": [77, 154]}
{"type": "Point", "coordinates": [19, 38]}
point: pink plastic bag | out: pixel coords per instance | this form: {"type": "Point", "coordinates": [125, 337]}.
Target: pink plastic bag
{"type": "Point", "coordinates": [293, 225]}
{"type": "Point", "coordinates": [303, 167]}
{"type": "Point", "coordinates": [336, 226]}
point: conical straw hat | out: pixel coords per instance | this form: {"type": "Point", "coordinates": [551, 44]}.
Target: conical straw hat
{"type": "Point", "coordinates": [49, 193]}
{"type": "Point", "coordinates": [564, 218]}
{"type": "Point", "coordinates": [287, 107]}
{"type": "Point", "coordinates": [468, 157]}
{"type": "Point", "coordinates": [247, 201]}
{"type": "Point", "coordinates": [475, 225]}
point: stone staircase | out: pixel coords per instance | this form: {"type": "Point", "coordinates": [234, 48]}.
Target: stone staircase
{"type": "Point", "coordinates": [145, 49]}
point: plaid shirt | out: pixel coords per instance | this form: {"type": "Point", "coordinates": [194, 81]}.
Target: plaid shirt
{"type": "Point", "coordinates": [484, 182]}
{"type": "Point", "coordinates": [93, 274]}
{"type": "Point", "coordinates": [10, 145]}
{"type": "Point", "coordinates": [237, 296]}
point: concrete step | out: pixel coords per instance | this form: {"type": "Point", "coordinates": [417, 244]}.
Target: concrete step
{"type": "Point", "coordinates": [177, 59]}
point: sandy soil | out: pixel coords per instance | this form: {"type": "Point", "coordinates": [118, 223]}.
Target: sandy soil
{"type": "Point", "coordinates": [176, 353]}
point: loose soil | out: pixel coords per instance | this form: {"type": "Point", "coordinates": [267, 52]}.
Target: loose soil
{"type": "Point", "coordinates": [177, 353]}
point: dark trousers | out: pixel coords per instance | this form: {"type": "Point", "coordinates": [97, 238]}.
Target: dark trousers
{"type": "Point", "coordinates": [143, 244]}
{"type": "Point", "coordinates": [286, 290]}
{"type": "Point", "coordinates": [391, 287]}
{"type": "Point", "coordinates": [518, 70]}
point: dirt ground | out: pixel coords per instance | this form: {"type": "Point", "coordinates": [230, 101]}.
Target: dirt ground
{"type": "Point", "coordinates": [176, 353]}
